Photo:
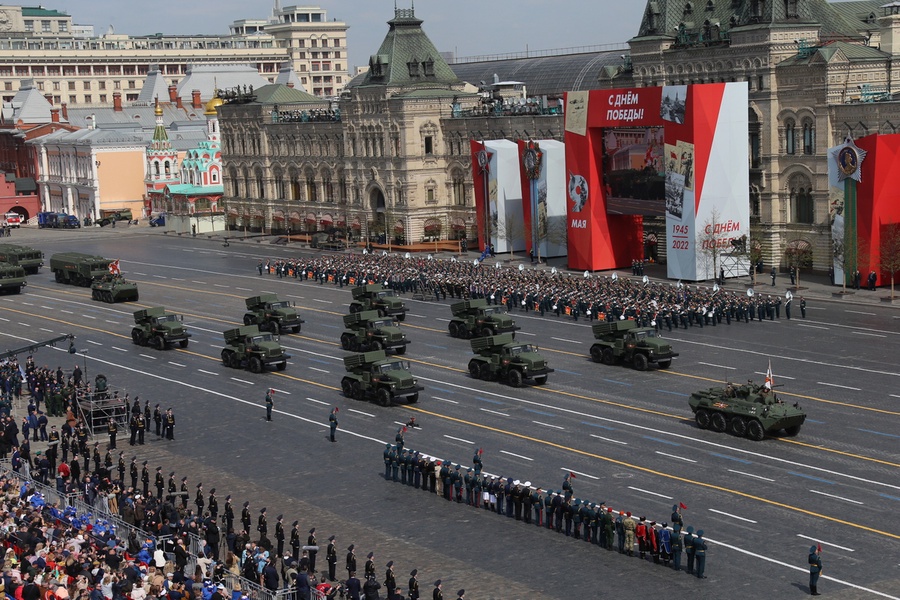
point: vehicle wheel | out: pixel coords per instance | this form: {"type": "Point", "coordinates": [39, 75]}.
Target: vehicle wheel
{"type": "Point", "coordinates": [357, 393]}
{"type": "Point", "coordinates": [249, 320]}
{"type": "Point", "coordinates": [484, 371]}
{"type": "Point", "coordinates": [486, 331]}
{"type": "Point", "coordinates": [282, 365]}
{"type": "Point", "coordinates": [227, 358]}
{"type": "Point", "coordinates": [596, 354]}
{"type": "Point", "coordinates": [540, 380]}
{"type": "Point", "coordinates": [664, 364]}
{"type": "Point", "coordinates": [108, 298]}
{"type": "Point", "coordinates": [94, 295]}
{"type": "Point", "coordinates": [401, 317]}
{"type": "Point", "coordinates": [137, 336]}
{"type": "Point", "coordinates": [514, 378]}
{"type": "Point", "coordinates": [608, 357]}
{"type": "Point", "coordinates": [640, 362]}
{"type": "Point", "coordinates": [384, 397]}
{"type": "Point", "coordinates": [59, 276]}
{"type": "Point", "coordinates": [717, 422]}
{"type": "Point", "coordinates": [454, 329]}
{"type": "Point", "coordinates": [474, 369]}
{"type": "Point", "coordinates": [296, 329]}
{"type": "Point", "coordinates": [159, 343]}
{"type": "Point", "coordinates": [256, 365]}
{"type": "Point", "coordinates": [183, 343]}
{"type": "Point", "coordinates": [738, 426]}
{"type": "Point", "coordinates": [345, 341]}
{"type": "Point", "coordinates": [414, 398]}
{"type": "Point", "coordinates": [347, 387]}
{"type": "Point", "coordinates": [792, 431]}
{"type": "Point", "coordinates": [702, 418]}
{"type": "Point", "coordinates": [355, 345]}
{"type": "Point", "coordinates": [400, 350]}
{"type": "Point", "coordinates": [755, 430]}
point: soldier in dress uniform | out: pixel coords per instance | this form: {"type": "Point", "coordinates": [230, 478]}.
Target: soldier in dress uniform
{"type": "Point", "coordinates": [228, 515]}
{"type": "Point", "coordinates": [311, 541]}
{"type": "Point", "coordinates": [120, 467]}
{"type": "Point", "coordinates": [369, 570]}
{"type": "Point", "coordinates": [279, 536]}
{"type": "Point", "coordinates": [295, 541]}
{"type": "Point", "coordinates": [700, 554]}
{"type": "Point", "coordinates": [160, 483]}
{"type": "Point", "coordinates": [245, 516]}
{"type": "Point", "coordinates": [390, 582]}
{"type": "Point", "coordinates": [171, 488]}
{"type": "Point", "coordinates": [413, 585]}
{"type": "Point", "coordinates": [262, 524]}
{"type": "Point", "coordinates": [199, 499]}
{"type": "Point", "coordinates": [331, 558]}
{"type": "Point", "coordinates": [815, 569]}
{"type": "Point", "coordinates": [437, 594]}
{"type": "Point", "coordinates": [133, 471]}
{"type": "Point", "coordinates": [145, 479]}
{"type": "Point", "coordinates": [113, 430]}
{"type": "Point", "coordinates": [184, 493]}
{"type": "Point", "coordinates": [157, 420]}
{"type": "Point", "coordinates": [689, 548]}
{"type": "Point", "coordinates": [213, 504]}
{"type": "Point", "coordinates": [350, 563]}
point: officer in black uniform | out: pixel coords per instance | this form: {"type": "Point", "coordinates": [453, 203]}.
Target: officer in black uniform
{"type": "Point", "coordinates": [160, 484]}
{"type": "Point", "coordinates": [295, 540]}
{"type": "Point", "coordinates": [262, 525]}
{"type": "Point", "coordinates": [141, 427]}
{"type": "Point", "coordinates": [228, 514]}
{"type": "Point", "coordinates": [245, 516]}
{"type": "Point", "coordinates": [133, 471]}
{"type": "Point", "coordinates": [351, 560]}
{"type": "Point", "coordinates": [390, 582]}
{"type": "Point", "coordinates": [172, 487]}
{"type": "Point", "coordinates": [184, 492]}
{"type": "Point", "coordinates": [331, 558]}
{"type": "Point", "coordinates": [279, 536]}
{"type": "Point", "coordinates": [815, 568]}
{"type": "Point", "coordinates": [311, 541]}
{"type": "Point", "coordinates": [157, 420]}
{"type": "Point", "coordinates": [121, 465]}
{"type": "Point", "coordinates": [199, 500]}
{"type": "Point", "coordinates": [145, 479]}
{"type": "Point", "coordinates": [213, 507]}
{"type": "Point", "coordinates": [413, 585]}
{"type": "Point", "coordinates": [112, 429]}
{"type": "Point", "coordinates": [370, 565]}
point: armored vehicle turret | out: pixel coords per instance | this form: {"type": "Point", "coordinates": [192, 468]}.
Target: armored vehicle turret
{"type": "Point", "coordinates": [114, 288]}
{"type": "Point", "coordinates": [747, 410]}
{"type": "Point", "coordinates": [248, 348]}
{"type": "Point", "coordinates": [26, 257]}
{"type": "Point", "coordinates": [269, 313]}
{"type": "Point", "coordinates": [375, 296]}
{"type": "Point", "coordinates": [367, 331]}
{"type": "Point", "coordinates": [474, 317]}
{"type": "Point", "coordinates": [158, 328]}
{"type": "Point", "coordinates": [12, 278]}
{"type": "Point", "coordinates": [373, 376]}
{"type": "Point", "coordinates": [501, 357]}
{"type": "Point", "coordinates": [624, 341]}
{"type": "Point", "coordinates": [76, 268]}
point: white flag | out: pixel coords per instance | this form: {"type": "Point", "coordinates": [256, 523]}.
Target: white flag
{"type": "Point", "coordinates": [769, 380]}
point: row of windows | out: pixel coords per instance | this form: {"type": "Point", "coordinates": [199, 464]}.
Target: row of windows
{"type": "Point", "coordinates": [314, 43]}
{"type": "Point", "coordinates": [806, 135]}
{"type": "Point", "coordinates": [47, 26]}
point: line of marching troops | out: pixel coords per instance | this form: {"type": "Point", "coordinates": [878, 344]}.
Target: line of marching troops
{"type": "Point", "coordinates": [558, 511]}
{"type": "Point", "coordinates": [661, 304]}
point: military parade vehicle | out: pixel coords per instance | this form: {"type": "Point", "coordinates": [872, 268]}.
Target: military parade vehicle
{"type": "Point", "coordinates": [28, 258]}
{"type": "Point", "coordinates": [269, 313]}
{"type": "Point", "coordinates": [158, 328]}
{"type": "Point", "coordinates": [367, 331]}
{"type": "Point", "coordinates": [248, 348]}
{"type": "Point", "coordinates": [375, 296]}
{"type": "Point", "coordinates": [501, 357]}
{"type": "Point", "coordinates": [624, 341]}
{"type": "Point", "coordinates": [114, 288]}
{"type": "Point", "coordinates": [76, 268]}
{"type": "Point", "coordinates": [474, 317]}
{"type": "Point", "coordinates": [371, 375]}
{"type": "Point", "coordinates": [747, 410]}
{"type": "Point", "coordinates": [12, 278]}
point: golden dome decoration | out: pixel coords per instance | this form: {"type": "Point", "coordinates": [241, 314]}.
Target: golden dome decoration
{"type": "Point", "coordinates": [212, 105]}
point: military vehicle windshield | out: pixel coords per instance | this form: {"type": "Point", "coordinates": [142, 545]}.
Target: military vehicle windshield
{"type": "Point", "coordinates": [265, 337]}
{"type": "Point", "coordinates": [522, 349]}
{"type": "Point", "coordinates": [281, 304]}
{"type": "Point", "coordinates": [639, 335]}
{"type": "Point", "coordinates": [167, 319]}
{"type": "Point", "coordinates": [382, 323]}
{"type": "Point", "coordinates": [391, 366]}
{"type": "Point", "coordinates": [99, 266]}
{"type": "Point", "coordinates": [386, 294]}
{"type": "Point", "coordinates": [494, 310]}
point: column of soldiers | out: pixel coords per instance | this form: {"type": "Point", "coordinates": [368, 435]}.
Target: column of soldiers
{"type": "Point", "coordinates": [559, 511]}
{"type": "Point", "coordinates": [663, 305]}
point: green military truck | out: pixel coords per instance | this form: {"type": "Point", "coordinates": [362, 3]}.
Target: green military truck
{"type": "Point", "coordinates": [374, 296]}
{"type": "Point", "coordinates": [367, 331]}
{"type": "Point", "coordinates": [26, 257]}
{"type": "Point", "coordinates": [474, 317]}
{"type": "Point", "coordinates": [248, 348]}
{"type": "Point", "coordinates": [371, 375]}
{"type": "Point", "coordinates": [269, 313]}
{"type": "Point", "coordinates": [75, 268]}
{"type": "Point", "coordinates": [12, 278]}
{"type": "Point", "coordinates": [624, 341]}
{"type": "Point", "coordinates": [160, 329]}
{"type": "Point", "coordinates": [501, 357]}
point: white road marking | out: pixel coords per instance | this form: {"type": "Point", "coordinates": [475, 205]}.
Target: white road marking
{"type": "Point", "coordinates": [600, 437]}
{"type": "Point", "coordinates": [219, 285]}
{"type": "Point", "coordinates": [717, 366]}
{"type": "Point", "coordinates": [243, 381]}
{"type": "Point", "coordinates": [117, 348]}
{"type": "Point", "coordinates": [361, 412]}
{"type": "Point", "coordinates": [443, 320]}
{"type": "Point", "coordinates": [776, 375]}
{"type": "Point", "coordinates": [859, 312]}
{"type": "Point", "coordinates": [138, 273]}
{"type": "Point", "coordinates": [416, 316]}
{"type": "Point", "coordinates": [322, 301]}
{"type": "Point", "coordinates": [845, 387]}
{"type": "Point", "coordinates": [113, 322]}
{"type": "Point", "coordinates": [88, 317]}
{"type": "Point", "coordinates": [4, 319]}
{"type": "Point", "coordinates": [47, 307]}
{"type": "Point", "coordinates": [24, 324]}
{"type": "Point", "coordinates": [673, 456]}
{"type": "Point", "coordinates": [177, 279]}
{"type": "Point", "coordinates": [282, 391]}
{"type": "Point", "coordinates": [176, 364]}
{"type": "Point", "coordinates": [28, 303]}
{"type": "Point", "coordinates": [444, 399]}
{"type": "Point", "coordinates": [318, 369]}
{"type": "Point", "coordinates": [45, 329]}
{"type": "Point", "coordinates": [835, 497]}
{"type": "Point", "coordinates": [200, 282]}
{"type": "Point", "coordinates": [147, 356]}
{"type": "Point", "coordinates": [516, 455]}
{"type": "Point", "coordinates": [244, 289]}
{"type": "Point", "coordinates": [649, 492]}
{"type": "Point", "coordinates": [894, 395]}
{"type": "Point", "coordinates": [525, 333]}
{"type": "Point", "coordinates": [826, 544]}
{"type": "Point", "coordinates": [317, 401]}
{"type": "Point", "coordinates": [547, 425]}
{"type": "Point", "coordinates": [750, 475]}
{"type": "Point", "coordinates": [494, 412]}
{"type": "Point", "coordinates": [68, 312]}
{"type": "Point", "coordinates": [450, 437]}
{"type": "Point", "coordinates": [867, 333]}
{"type": "Point", "coordinates": [207, 372]}
{"type": "Point", "coordinates": [579, 473]}
{"type": "Point", "coordinates": [160, 276]}
{"type": "Point", "coordinates": [719, 512]}
{"type": "Point", "coordinates": [565, 340]}
{"type": "Point", "coordinates": [811, 326]}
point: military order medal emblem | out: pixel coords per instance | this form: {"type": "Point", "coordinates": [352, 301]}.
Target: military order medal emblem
{"type": "Point", "coordinates": [848, 160]}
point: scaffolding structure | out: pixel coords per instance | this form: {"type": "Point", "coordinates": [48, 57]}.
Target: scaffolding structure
{"type": "Point", "coordinates": [96, 406]}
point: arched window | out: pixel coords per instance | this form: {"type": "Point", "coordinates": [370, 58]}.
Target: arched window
{"type": "Point", "coordinates": [328, 188]}
{"type": "Point", "coordinates": [809, 138]}
{"type": "Point", "coordinates": [279, 184]}
{"type": "Point", "coordinates": [801, 199]}
{"type": "Point", "coordinates": [311, 192]}
{"type": "Point", "coordinates": [790, 137]}
{"type": "Point", "coordinates": [260, 185]}
{"type": "Point", "coordinates": [459, 189]}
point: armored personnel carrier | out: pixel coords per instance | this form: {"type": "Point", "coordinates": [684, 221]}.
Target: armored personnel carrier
{"type": "Point", "coordinates": [75, 268]}
{"type": "Point", "coordinates": [248, 348]}
{"type": "Point", "coordinates": [367, 331]}
{"type": "Point", "coordinates": [371, 375]}
{"type": "Point", "coordinates": [269, 313]}
{"type": "Point", "coordinates": [747, 410]}
{"type": "Point", "coordinates": [375, 296]}
{"type": "Point", "coordinates": [12, 278]}
{"type": "Point", "coordinates": [624, 341]}
{"type": "Point", "coordinates": [501, 357]}
{"type": "Point", "coordinates": [158, 328]}
{"type": "Point", "coordinates": [474, 317]}
{"type": "Point", "coordinates": [114, 288]}
{"type": "Point", "coordinates": [26, 257]}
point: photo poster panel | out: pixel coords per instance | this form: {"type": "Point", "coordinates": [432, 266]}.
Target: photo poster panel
{"type": "Point", "coordinates": [505, 197]}
{"type": "Point", "coordinates": [549, 191]}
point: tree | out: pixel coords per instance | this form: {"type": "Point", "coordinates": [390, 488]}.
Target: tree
{"type": "Point", "coordinates": [712, 241]}
{"type": "Point", "coordinates": [889, 250]}
{"type": "Point", "coordinates": [511, 230]}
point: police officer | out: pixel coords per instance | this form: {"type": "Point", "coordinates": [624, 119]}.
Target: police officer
{"type": "Point", "coordinates": [802, 307]}
{"type": "Point", "coordinates": [815, 568]}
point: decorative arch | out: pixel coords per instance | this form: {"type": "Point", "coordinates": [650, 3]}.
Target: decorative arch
{"type": "Point", "coordinates": [800, 195]}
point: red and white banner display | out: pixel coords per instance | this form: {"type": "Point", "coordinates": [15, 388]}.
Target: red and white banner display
{"type": "Point", "coordinates": [543, 176]}
{"type": "Point", "coordinates": [675, 150]}
{"type": "Point", "coordinates": [500, 221]}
